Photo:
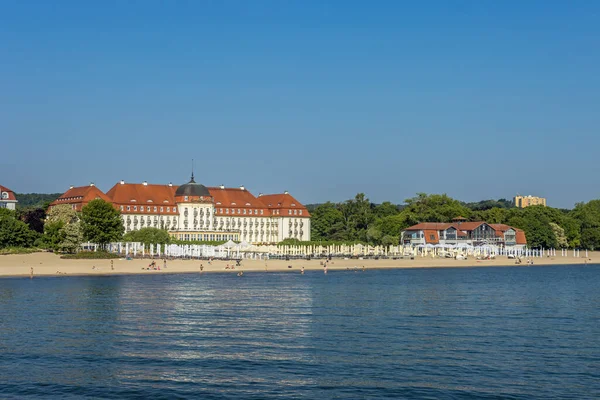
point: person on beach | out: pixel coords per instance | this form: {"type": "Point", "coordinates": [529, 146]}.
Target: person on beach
{"type": "Point", "coordinates": [31, 273]}
{"type": "Point", "coordinates": [112, 265]}
{"type": "Point", "coordinates": [302, 270]}
{"type": "Point", "coordinates": [325, 269]}
{"type": "Point", "coordinates": [165, 263]}
{"type": "Point", "coordinates": [201, 268]}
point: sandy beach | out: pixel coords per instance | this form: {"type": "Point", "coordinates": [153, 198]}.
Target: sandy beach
{"type": "Point", "coordinates": [49, 264]}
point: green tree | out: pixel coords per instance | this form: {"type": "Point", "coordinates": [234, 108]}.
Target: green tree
{"type": "Point", "coordinates": [62, 231]}
{"type": "Point", "coordinates": [13, 232]}
{"type": "Point", "coordinates": [559, 234]}
{"type": "Point", "coordinates": [148, 236]}
{"type": "Point", "coordinates": [71, 238]}
{"type": "Point", "coordinates": [385, 209]}
{"type": "Point", "coordinates": [327, 222]}
{"type": "Point", "coordinates": [101, 223]}
{"type": "Point", "coordinates": [435, 208]}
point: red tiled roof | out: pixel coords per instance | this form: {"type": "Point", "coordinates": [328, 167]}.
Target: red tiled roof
{"type": "Point", "coordinates": [438, 226]}
{"type": "Point", "coordinates": [234, 197]}
{"type": "Point", "coordinates": [429, 234]}
{"type": "Point", "coordinates": [80, 196]}
{"type": "Point", "coordinates": [469, 226]}
{"type": "Point", "coordinates": [520, 237]}
{"type": "Point", "coordinates": [139, 194]}
{"type": "Point", "coordinates": [283, 201]}
{"type": "Point", "coordinates": [11, 194]}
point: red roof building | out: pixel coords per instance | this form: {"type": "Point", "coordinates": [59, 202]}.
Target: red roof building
{"type": "Point", "coordinates": [7, 198]}
{"type": "Point", "coordinates": [195, 212]}
{"type": "Point", "coordinates": [473, 233]}
{"type": "Point", "coordinates": [78, 197]}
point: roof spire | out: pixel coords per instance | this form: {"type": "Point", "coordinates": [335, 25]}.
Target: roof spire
{"type": "Point", "coordinates": [193, 171]}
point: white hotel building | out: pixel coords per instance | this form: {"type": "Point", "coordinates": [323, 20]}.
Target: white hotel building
{"type": "Point", "coordinates": [195, 212]}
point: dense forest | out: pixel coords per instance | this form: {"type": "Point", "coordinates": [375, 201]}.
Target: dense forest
{"type": "Point", "coordinates": [35, 200]}
{"type": "Point", "coordinates": [360, 220]}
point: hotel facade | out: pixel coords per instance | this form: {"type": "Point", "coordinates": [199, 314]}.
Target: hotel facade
{"type": "Point", "coordinates": [194, 212]}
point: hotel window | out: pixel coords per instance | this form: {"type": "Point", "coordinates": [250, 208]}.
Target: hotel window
{"type": "Point", "coordinates": [244, 211]}
{"type": "Point", "coordinates": [155, 208]}
{"type": "Point", "coordinates": [300, 212]}
{"type": "Point", "coordinates": [134, 208]}
{"type": "Point", "coordinates": [186, 198]}
{"type": "Point", "coordinates": [227, 211]}
{"type": "Point", "coordinates": [128, 208]}
{"type": "Point", "coordinates": [141, 208]}
{"type": "Point", "coordinates": [262, 212]}
{"type": "Point", "coordinates": [290, 212]}
{"type": "Point", "coordinates": [432, 237]}
{"type": "Point", "coordinates": [121, 208]}
{"type": "Point", "coordinates": [168, 209]}
{"type": "Point", "coordinates": [162, 209]}
{"type": "Point", "coordinates": [174, 209]}
{"type": "Point", "coordinates": [295, 212]}
{"type": "Point", "coordinates": [239, 211]}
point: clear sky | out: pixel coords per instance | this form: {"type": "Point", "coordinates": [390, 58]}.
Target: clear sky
{"type": "Point", "coordinates": [476, 99]}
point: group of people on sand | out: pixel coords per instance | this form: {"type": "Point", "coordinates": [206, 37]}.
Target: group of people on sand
{"type": "Point", "coordinates": [519, 261]}
{"type": "Point", "coordinates": [152, 266]}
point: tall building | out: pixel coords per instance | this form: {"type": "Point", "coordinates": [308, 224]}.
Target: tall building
{"type": "Point", "coordinates": [526, 201]}
{"type": "Point", "coordinates": [7, 198]}
{"type": "Point", "coordinates": [195, 212]}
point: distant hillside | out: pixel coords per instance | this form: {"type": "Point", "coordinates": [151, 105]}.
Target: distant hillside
{"type": "Point", "coordinates": [35, 200]}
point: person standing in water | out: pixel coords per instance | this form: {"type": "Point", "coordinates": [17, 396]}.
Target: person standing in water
{"type": "Point", "coordinates": [31, 273]}
{"type": "Point", "coordinates": [302, 270]}
{"type": "Point", "coordinates": [325, 269]}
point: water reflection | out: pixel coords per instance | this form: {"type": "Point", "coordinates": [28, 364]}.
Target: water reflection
{"type": "Point", "coordinates": [386, 334]}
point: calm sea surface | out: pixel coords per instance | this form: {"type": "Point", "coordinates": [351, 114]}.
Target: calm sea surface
{"type": "Point", "coordinates": [514, 333]}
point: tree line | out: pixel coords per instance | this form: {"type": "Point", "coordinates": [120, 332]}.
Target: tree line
{"type": "Point", "coordinates": [359, 220]}
{"type": "Point", "coordinates": [62, 229]}
{"type": "Point", "coordinates": [355, 220]}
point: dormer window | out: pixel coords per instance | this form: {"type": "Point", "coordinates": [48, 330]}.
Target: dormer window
{"type": "Point", "coordinates": [293, 205]}
{"type": "Point", "coordinates": [149, 201]}
{"type": "Point", "coordinates": [186, 198]}
{"type": "Point", "coordinates": [248, 204]}
{"type": "Point", "coordinates": [5, 195]}
{"type": "Point", "coordinates": [134, 208]}
{"type": "Point", "coordinates": [133, 200]}
{"type": "Point", "coordinates": [233, 204]}
{"type": "Point", "coordinates": [218, 203]}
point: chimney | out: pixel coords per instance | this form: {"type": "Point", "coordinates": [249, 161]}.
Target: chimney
{"type": "Point", "coordinates": [170, 184]}
{"type": "Point", "coordinates": [286, 192]}
{"type": "Point", "coordinates": [260, 194]}
{"type": "Point", "coordinates": [71, 187]}
{"type": "Point", "coordinates": [242, 187]}
{"type": "Point", "coordinates": [122, 182]}
{"type": "Point", "coordinates": [145, 183]}
{"type": "Point", "coordinates": [222, 186]}
{"type": "Point", "coordinates": [92, 184]}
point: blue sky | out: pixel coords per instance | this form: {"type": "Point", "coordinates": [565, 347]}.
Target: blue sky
{"type": "Point", "coordinates": [476, 99]}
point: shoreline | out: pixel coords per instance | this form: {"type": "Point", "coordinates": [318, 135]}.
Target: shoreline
{"type": "Point", "coordinates": [50, 264]}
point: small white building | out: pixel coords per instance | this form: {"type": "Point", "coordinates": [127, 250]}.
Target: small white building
{"type": "Point", "coordinates": [7, 198]}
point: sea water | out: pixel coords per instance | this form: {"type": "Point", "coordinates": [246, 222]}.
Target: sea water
{"type": "Point", "coordinates": [453, 333]}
